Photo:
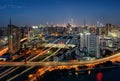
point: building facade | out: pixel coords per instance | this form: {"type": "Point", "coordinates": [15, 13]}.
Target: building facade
{"type": "Point", "coordinates": [93, 45]}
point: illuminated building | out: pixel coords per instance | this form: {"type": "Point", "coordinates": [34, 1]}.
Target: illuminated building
{"type": "Point", "coordinates": [69, 28]}
{"type": "Point", "coordinates": [24, 31]}
{"type": "Point", "coordinates": [36, 30]}
{"type": "Point", "coordinates": [30, 34]}
{"type": "Point", "coordinates": [81, 40]}
{"type": "Point", "coordinates": [84, 38]}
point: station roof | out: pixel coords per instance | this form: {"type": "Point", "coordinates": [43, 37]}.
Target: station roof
{"type": "Point", "coordinates": [58, 45]}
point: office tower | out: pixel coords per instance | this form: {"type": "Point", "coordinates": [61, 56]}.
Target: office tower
{"type": "Point", "coordinates": [13, 38]}
{"type": "Point", "coordinates": [93, 45]}
{"type": "Point", "coordinates": [81, 40]}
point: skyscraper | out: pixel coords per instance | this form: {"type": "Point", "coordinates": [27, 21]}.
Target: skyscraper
{"type": "Point", "coordinates": [13, 38]}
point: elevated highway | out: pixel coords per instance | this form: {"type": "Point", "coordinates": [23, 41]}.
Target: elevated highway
{"type": "Point", "coordinates": [112, 58]}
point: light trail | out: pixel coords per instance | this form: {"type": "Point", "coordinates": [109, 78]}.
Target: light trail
{"type": "Point", "coordinates": [3, 51]}
{"type": "Point", "coordinates": [29, 67]}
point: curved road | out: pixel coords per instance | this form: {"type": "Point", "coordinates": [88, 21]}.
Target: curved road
{"type": "Point", "coordinates": [113, 58]}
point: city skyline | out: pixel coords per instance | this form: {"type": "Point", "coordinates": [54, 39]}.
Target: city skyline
{"type": "Point", "coordinates": [40, 41]}
{"type": "Point", "coordinates": [30, 12]}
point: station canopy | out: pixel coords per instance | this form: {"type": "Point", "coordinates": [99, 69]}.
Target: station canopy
{"type": "Point", "coordinates": [58, 45]}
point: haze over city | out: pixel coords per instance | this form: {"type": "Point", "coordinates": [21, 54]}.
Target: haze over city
{"type": "Point", "coordinates": [36, 12]}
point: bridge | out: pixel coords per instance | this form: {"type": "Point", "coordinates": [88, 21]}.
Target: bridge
{"type": "Point", "coordinates": [112, 58]}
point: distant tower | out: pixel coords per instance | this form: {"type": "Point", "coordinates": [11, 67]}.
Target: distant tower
{"type": "Point", "coordinates": [72, 22]}
{"type": "Point", "coordinates": [84, 26]}
{"type": "Point", "coordinates": [84, 23]}
{"type": "Point", "coordinates": [98, 23]}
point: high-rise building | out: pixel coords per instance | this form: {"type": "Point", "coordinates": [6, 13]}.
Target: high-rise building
{"type": "Point", "coordinates": [81, 40]}
{"type": "Point", "coordinates": [36, 30]}
{"type": "Point", "coordinates": [93, 45]}
{"type": "Point", "coordinates": [108, 28]}
{"type": "Point", "coordinates": [13, 38]}
{"type": "Point", "coordinates": [69, 28]}
{"type": "Point", "coordinates": [30, 34]}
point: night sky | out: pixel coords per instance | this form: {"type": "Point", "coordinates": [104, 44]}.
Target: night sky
{"type": "Point", "coordinates": [36, 12]}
